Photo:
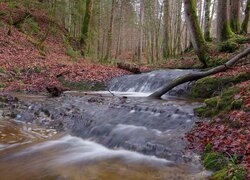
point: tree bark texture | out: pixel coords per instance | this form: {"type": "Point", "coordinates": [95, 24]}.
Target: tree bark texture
{"type": "Point", "coordinates": [224, 31]}
{"type": "Point", "coordinates": [196, 34]}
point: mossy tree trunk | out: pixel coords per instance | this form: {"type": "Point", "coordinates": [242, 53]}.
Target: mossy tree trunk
{"type": "Point", "coordinates": [196, 34]}
{"type": "Point", "coordinates": [166, 36]}
{"type": "Point", "coordinates": [224, 31]}
{"type": "Point", "coordinates": [235, 16]}
{"type": "Point", "coordinates": [244, 26]}
{"type": "Point", "coordinates": [85, 26]}
{"type": "Point", "coordinates": [207, 28]}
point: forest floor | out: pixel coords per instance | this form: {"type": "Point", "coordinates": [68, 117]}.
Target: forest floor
{"type": "Point", "coordinates": [28, 66]}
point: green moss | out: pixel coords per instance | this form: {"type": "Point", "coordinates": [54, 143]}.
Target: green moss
{"type": "Point", "coordinates": [235, 24]}
{"type": "Point", "coordinates": [13, 5]}
{"type": "Point", "coordinates": [226, 99]}
{"type": "Point", "coordinates": [33, 25]}
{"type": "Point", "coordinates": [2, 13]}
{"type": "Point", "coordinates": [72, 53]}
{"type": "Point", "coordinates": [216, 62]}
{"type": "Point", "coordinates": [37, 69]}
{"type": "Point", "coordinates": [241, 77]}
{"type": "Point", "coordinates": [233, 172]}
{"type": "Point", "coordinates": [214, 161]}
{"type": "Point", "coordinates": [83, 85]}
{"type": "Point", "coordinates": [242, 39]}
{"type": "Point", "coordinates": [208, 148]}
{"type": "Point", "coordinates": [226, 32]}
{"type": "Point", "coordinates": [212, 102]}
{"type": "Point", "coordinates": [2, 70]}
{"type": "Point", "coordinates": [237, 104]}
{"type": "Point", "coordinates": [222, 103]}
{"type": "Point", "coordinates": [16, 70]}
{"type": "Point", "coordinates": [28, 26]}
{"type": "Point", "coordinates": [228, 46]}
{"type": "Point", "coordinates": [2, 85]}
{"type": "Point", "coordinates": [209, 86]}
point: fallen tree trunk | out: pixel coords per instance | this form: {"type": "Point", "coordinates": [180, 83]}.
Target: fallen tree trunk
{"type": "Point", "coordinates": [199, 75]}
{"type": "Point", "coordinates": [129, 67]}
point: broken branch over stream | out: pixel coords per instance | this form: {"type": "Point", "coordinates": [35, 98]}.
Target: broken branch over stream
{"type": "Point", "coordinates": [199, 75]}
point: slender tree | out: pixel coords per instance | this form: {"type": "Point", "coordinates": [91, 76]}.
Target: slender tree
{"type": "Point", "coordinates": [85, 26]}
{"type": "Point", "coordinates": [196, 35]}
{"type": "Point", "coordinates": [119, 38]}
{"type": "Point", "coordinates": [224, 31]}
{"type": "Point", "coordinates": [110, 31]}
{"type": "Point", "coordinates": [140, 46]}
{"type": "Point", "coordinates": [244, 26]}
{"type": "Point", "coordinates": [207, 27]}
{"type": "Point", "coordinates": [166, 36]}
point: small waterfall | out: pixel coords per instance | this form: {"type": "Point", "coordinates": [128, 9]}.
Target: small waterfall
{"type": "Point", "coordinates": [149, 82]}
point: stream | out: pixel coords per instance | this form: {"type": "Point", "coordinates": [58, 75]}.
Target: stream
{"type": "Point", "coordinates": [114, 135]}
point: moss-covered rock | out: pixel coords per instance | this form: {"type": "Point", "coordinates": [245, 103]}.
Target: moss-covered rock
{"type": "Point", "coordinates": [214, 161]}
{"type": "Point", "coordinates": [83, 85]}
{"type": "Point", "coordinates": [232, 172]}
{"type": "Point", "coordinates": [222, 103]}
{"type": "Point", "coordinates": [228, 46]}
{"type": "Point", "coordinates": [210, 86]}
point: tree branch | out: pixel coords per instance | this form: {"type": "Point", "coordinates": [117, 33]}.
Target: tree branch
{"type": "Point", "coordinates": [198, 75]}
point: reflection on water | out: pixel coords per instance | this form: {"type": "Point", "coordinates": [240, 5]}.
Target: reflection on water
{"type": "Point", "coordinates": [14, 133]}
{"type": "Point", "coordinates": [73, 158]}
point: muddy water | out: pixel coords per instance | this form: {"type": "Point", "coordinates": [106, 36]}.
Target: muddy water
{"type": "Point", "coordinates": [97, 136]}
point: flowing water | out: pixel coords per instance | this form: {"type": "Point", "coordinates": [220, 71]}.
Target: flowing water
{"type": "Point", "coordinates": [101, 135]}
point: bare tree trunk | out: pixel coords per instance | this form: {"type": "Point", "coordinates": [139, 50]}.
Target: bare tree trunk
{"type": "Point", "coordinates": [235, 16]}
{"type": "Point", "coordinates": [166, 36]}
{"type": "Point", "coordinates": [178, 28]}
{"type": "Point", "coordinates": [99, 31]}
{"type": "Point", "coordinates": [200, 11]}
{"type": "Point", "coordinates": [140, 46]}
{"type": "Point", "coordinates": [207, 28]}
{"type": "Point", "coordinates": [224, 31]}
{"type": "Point", "coordinates": [119, 31]}
{"type": "Point", "coordinates": [196, 35]}
{"type": "Point", "coordinates": [157, 34]}
{"type": "Point", "coordinates": [199, 75]}
{"type": "Point", "coordinates": [212, 14]}
{"type": "Point", "coordinates": [110, 31]}
{"type": "Point", "coordinates": [85, 26]}
{"type": "Point", "coordinates": [244, 26]}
